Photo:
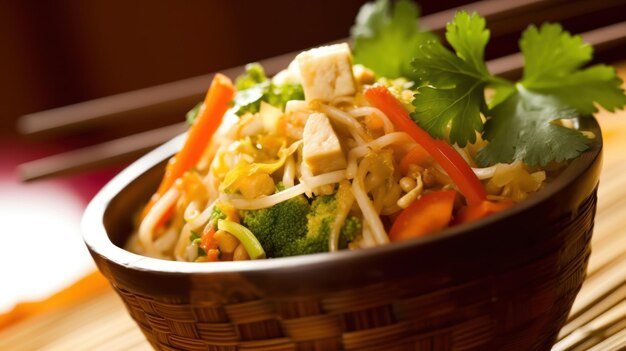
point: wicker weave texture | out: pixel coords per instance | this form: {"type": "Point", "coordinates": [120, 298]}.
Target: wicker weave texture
{"type": "Point", "coordinates": [520, 308]}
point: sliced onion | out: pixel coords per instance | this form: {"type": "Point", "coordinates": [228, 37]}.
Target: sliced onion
{"type": "Point", "coordinates": [485, 173]}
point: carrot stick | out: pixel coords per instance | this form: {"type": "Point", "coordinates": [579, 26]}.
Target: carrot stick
{"type": "Point", "coordinates": [456, 167]}
{"type": "Point", "coordinates": [430, 213]}
{"type": "Point", "coordinates": [219, 95]}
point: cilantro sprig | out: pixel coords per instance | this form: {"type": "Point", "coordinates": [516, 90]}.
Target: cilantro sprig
{"type": "Point", "coordinates": [452, 91]}
{"type": "Point", "coordinates": [521, 118]}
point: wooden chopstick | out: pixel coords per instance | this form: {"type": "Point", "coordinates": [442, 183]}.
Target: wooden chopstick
{"type": "Point", "coordinates": [601, 39]}
{"type": "Point", "coordinates": [184, 93]}
{"type": "Point", "coordinates": [98, 155]}
{"type": "Point", "coordinates": [129, 146]}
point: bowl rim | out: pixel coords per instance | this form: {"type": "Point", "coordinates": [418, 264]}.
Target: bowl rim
{"type": "Point", "coordinates": [97, 240]}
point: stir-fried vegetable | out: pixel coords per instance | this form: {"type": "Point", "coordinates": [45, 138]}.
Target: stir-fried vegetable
{"type": "Point", "coordinates": [245, 236]}
{"type": "Point", "coordinates": [417, 156]}
{"type": "Point", "coordinates": [460, 172]}
{"type": "Point", "coordinates": [295, 227]}
{"type": "Point", "coordinates": [472, 213]}
{"type": "Point", "coordinates": [218, 97]}
{"type": "Point", "coordinates": [432, 212]}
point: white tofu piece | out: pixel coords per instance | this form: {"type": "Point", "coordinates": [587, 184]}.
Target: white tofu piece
{"type": "Point", "coordinates": [296, 106]}
{"type": "Point", "coordinates": [326, 72]}
{"type": "Point", "coordinates": [321, 149]}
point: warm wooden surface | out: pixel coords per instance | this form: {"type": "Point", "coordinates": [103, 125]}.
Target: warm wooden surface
{"type": "Point", "coordinates": [599, 322]}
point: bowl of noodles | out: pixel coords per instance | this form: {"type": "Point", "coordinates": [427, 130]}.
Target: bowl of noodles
{"type": "Point", "coordinates": [310, 212]}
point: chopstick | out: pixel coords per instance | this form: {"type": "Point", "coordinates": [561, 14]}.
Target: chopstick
{"type": "Point", "coordinates": [602, 39]}
{"type": "Point", "coordinates": [180, 95]}
{"type": "Point", "coordinates": [98, 155]}
{"type": "Point", "coordinates": [130, 146]}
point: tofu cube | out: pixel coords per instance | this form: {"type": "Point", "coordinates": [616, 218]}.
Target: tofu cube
{"type": "Point", "coordinates": [326, 72]}
{"type": "Point", "coordinates": [321, 149]}
{"type": "Point", "coordinates": [296, 106]}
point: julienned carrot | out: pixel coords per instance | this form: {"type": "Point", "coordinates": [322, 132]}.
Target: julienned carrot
{"type": "Point", "coordinates": [430, 213]}
{"type": "Point", "coordinates": [456, 167]}
{"type": "Point", "coordinates": [417, 156]}
{"type": "Point", "coordinates": [219, 95]}
{"type": "Point", "coordinates": [471, 213]}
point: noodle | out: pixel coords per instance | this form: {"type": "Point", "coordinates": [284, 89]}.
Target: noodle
{"type": "Point", "coordinates": [202, 218]}
{"type": "Point", "coordinates": [370, 215]}
{"type": "Point", "coordinates": [377, 144]}
{"type": "Point", "coordinates": [344, 203]}
{"type": "Point", "coordinates": [356, 129]}
{"type": "Point", "coordinates": [323, 179]}
{"type": "Point", "coordinates": [366, 111]}
{"type": "Point", "coordinates": [146, 228]}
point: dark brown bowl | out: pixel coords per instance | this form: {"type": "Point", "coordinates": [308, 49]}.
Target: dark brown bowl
{"type": "Point", "coordinates": [503, 283]}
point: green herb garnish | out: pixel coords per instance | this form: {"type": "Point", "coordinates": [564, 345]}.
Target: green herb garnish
{"type": "Point", "coordinates": [521, 119]}
{"type": "Point", "coordinates": [253, 87]}
{"type": "Point", "coordinates": [453, 86]}
{"type": "Point", "coordinates": [386, 38]}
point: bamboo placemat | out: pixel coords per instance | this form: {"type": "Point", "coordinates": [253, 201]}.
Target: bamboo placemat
{"type": "Point", "coordinates": [597, 322]}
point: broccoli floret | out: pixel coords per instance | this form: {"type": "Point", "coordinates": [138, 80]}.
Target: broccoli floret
{"type": "Point", "coordinates": [216, 215]}
{"type": "Point", "coordinates": [320, 222]}
{"type": "Point", "coordinates": [254, 74]}
{"type": "Point", "coordinates": [294, 227]}
{"type": "Point", "coordinates": [351, 228]}
{"type": "Point", "coordinates": [279, 225]}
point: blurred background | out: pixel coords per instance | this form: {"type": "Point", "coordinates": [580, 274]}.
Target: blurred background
{"type": "Point", "coordinates": [58, 53]}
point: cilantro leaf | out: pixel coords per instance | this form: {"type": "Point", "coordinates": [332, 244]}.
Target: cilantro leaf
{"type": "Point", "coordinates": [522, 128]}
{"type": "Point", "coordinates": [553, 60]}
{"type": "Point", "coordinates": [550, 53]}
{"type": "Point", "coordinates": [468, 35]}
{"type": "Point", "coordinates": [453, 90]}
{"type": "Point", "coordinates": [435, 108]}
{"type": "Point", "coordinates": [393, 33]}
{"type": "Point", "coordinates": [249, 100]}
{"type": "Point", "coordinates": [580, 89]}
